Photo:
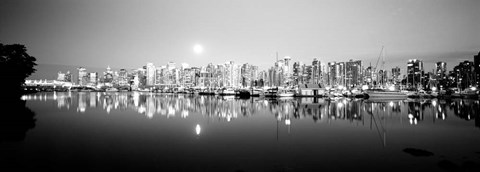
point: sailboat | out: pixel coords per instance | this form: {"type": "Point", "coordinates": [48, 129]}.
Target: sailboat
{"type": "Point", "coordinates": [382, 92]}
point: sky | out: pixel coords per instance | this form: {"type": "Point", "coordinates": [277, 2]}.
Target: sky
{"type": "Point", "coordinates": [130, 33]}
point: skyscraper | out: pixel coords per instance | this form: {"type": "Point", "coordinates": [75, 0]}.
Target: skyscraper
{"type": "Point", "coordinates": [123, 77]}
{"type": "Point", "coordinates": [151, 72]}
{"type": "Point", "coordinates": [332, 73]}
{"type": "Point", "coordinates": [414, 73]}
{"type": "Point", "coordinates": [464, 74]}
{"type": "Point", "coordinates": [353, 73]}
{"type": "Point", "coordinates": [316, 71]}
{"type": "Point", "coordinates": [396, 75]}
{"type": "Point", "coordinates": [476, 62]}
{"type": "Point", "coordinates": [340, 73]}
{"type": "Point", "coordinates": [68, 77]}
{"type": "Point", "coordinates": [441, 74]}
{"type": "Point", "coordinates": [82, 76]}
{"type": "Point", "coordinates": [93, 78]}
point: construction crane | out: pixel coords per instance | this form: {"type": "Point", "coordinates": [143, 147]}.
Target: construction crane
{"type": "Point", "coordinates": [376, 65]}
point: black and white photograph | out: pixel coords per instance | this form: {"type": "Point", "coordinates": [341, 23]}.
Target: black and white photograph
{"type": "Point", "coordinates": [240, 85]}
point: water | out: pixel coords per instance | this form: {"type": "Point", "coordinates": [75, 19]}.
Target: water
{"type": "Point", "coordinates": [140, 131]}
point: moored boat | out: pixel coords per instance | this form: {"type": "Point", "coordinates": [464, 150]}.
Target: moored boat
{"type": "Point", "coordinates": [111, 89]}
{"type": "Point", "coordinates": [385, 94]}
{"type": "Point", "coordinates": [286, 93]}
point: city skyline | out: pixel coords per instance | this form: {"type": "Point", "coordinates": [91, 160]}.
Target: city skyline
{"type": "Point", "coordinates": [130, 34]}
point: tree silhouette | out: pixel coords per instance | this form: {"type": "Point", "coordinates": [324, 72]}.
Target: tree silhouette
{"type": "Point", "coordinates": [15, 65]}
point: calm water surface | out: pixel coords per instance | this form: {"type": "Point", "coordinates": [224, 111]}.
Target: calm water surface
{"type": "Point", "coordinates": [139, 131]}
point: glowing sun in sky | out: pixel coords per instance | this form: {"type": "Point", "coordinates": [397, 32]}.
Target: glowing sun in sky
{"type": "Point", "coordinates": [198, 49]}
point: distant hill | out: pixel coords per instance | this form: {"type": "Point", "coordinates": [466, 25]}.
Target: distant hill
{"type": "Point", "coordinates": [50, 71]}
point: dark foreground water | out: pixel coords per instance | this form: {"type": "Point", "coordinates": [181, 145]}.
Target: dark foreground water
{"type": "Point", "coordinates": [166, 132]}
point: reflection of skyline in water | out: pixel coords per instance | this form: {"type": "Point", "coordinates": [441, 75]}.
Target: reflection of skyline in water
{"type": "Point", "coordinates": [283, 109]}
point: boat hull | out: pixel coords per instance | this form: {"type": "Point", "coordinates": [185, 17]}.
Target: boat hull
{"type": "Point", "coordinates": [386, 95]}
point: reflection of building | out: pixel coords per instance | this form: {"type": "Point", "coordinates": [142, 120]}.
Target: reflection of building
{"type": "Point", "coordinates": [225, 109]}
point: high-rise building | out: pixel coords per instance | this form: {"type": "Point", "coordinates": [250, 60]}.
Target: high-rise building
{"type": "Point", "coordinates": [332, 74]}
{"type": "Point", "coordinates": [441, 74]}
{"type": "Point", "coordinates": [382, 77]}
{"type": "Point", "coordinates": [246, 75]}
{"type": "Point", "coordinates": [307, 74]}
{"type": "Point", "coordinates": [353, 73]}
{"type": "Point", "coordinates": [151, 72]}
{"type": "Point", "coordinates": [476, 63]}
{"type": "Point", "coordinates": [297, 72]}
{"type": "Point", "coordinates": [396, 75]}
{"type": "Point", "coordinates": [68, 77]}
{"type": "Point", "coordinates": [316, 71]}
{"type": "Point", "coordinates": [340, 73]}
{"type": "Point", "coordinates": [123, 79]}
{"type": "Point", "coordinates": [414, 73]}
{"type": "Point", "coordinates": [93, 78]}
{"type": "Point", "coordinates": [108, 76]}
{"type": "Point", "coordinates": [464, 74]}
{"type": "Point", "coordinates": [82, 76]}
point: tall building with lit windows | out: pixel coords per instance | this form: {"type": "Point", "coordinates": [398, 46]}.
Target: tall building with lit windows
{"type": "Point", "coordinates": [82, 76]}
{"type": "Point", "coordinates": [414, 73]}
{"type": "Point", "coordinates": [396, 75]}
{"type": "Point", "coordinates": [151, 72]}
{"type": "Point", "coordinates": [476, 63]}
{"type": "Point", "coordinates": [353, 73]}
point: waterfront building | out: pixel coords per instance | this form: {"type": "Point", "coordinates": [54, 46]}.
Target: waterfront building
{"type": "Point", "coordinates": [353, 73]}
{"type": "Point", "coordinates": [414, 73]}
{"type": "Point", "coordinates": [123, 79]}
{"type": "Point", "coordinates": [82, 76]}
{"type": "Point", "coordinates": [254, 75]}
{"type": "Point", "coordinates": [464, 75]}
{"type": "Point", "coordinates": [307, 74]}
{"type": "Point", "coordinates": [382, 77]}
{"type": "Point", "coordinates": [140, 80]}
{"type": "Point", "coordinates": [441, 74]}
{"type": "Point", "coordinates": [68, 77]}
{"type": "Point", "coordinates": [151, 72]}
{"type": "Point", "coordinates": [476, 63]}
{"type": "Point", "coordinates": [195, 71]}
{"type": "Point", "coordinates": [332, 73]}
{"type": "Point", "coordinates": [246, 75]}
{"type": "Point", "coordinates": [108, 76]}
{"type": "Point", "coordinates": [60, 76]}
{"type": "Point", "coordinates": [396, 75]}
{"type": "Point", "coordinates": [93, 78]}
{"type": "Point", "coordinates": [323, 74]}
{"type": "Point", "coordinates": [316, 71]}
{"type": "Point", "coordinates": [232, 74]}
{"type": "Point", "coordinates": [272, 77]}
{"type": "Point", "coordinates": [340, 74]}
{"type": "Point", "coordinates": [287, 74]}
{"type": "Point", "coordinates": [296, 73]}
